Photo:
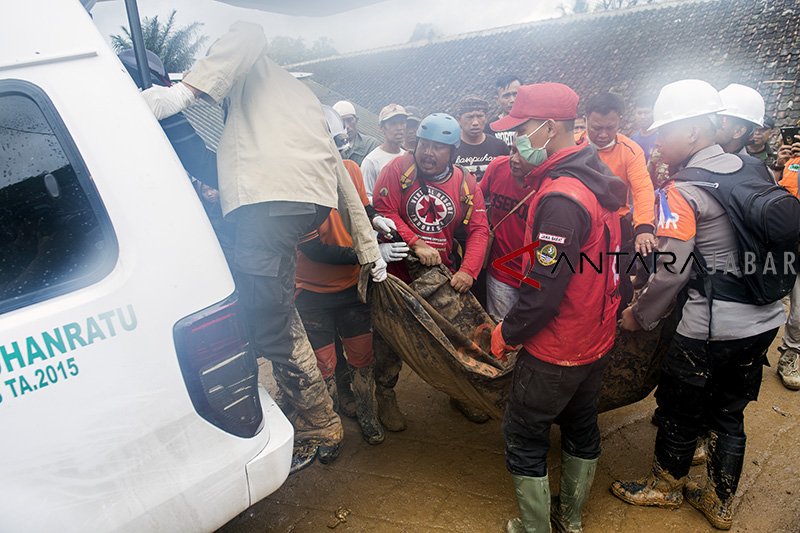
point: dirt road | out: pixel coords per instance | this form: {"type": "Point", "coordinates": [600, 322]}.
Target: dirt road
{"type": "Point", "coordinates": [446, 474]}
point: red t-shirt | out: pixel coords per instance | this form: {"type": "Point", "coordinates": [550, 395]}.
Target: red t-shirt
{"type": "Point", "coordinates": [502, 193]}
{"type": "Point", "coordinates": [433, 217]}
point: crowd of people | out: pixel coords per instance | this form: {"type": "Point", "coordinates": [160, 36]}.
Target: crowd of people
{"type": "Point", "coordinates": [306, 200]}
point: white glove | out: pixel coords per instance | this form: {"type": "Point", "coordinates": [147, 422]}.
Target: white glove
{"type": "Point", "coordinates": [378, 271]}
{"type": "Point", "coordinates": [167, 101]}
{"type": "Point", "coordinates": [383, 225]}
{"type": "Point", "coordinates": [394, 251]}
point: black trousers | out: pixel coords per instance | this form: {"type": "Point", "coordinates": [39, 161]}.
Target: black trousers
{"type": "Point", "coordinates": [627, 246]}
{"type": "Point", "coordinates": [543, 394]}
{"type": "Point", "coordinates": [331, 316]}
{"type": "Point", "coordinates": [706, 386]}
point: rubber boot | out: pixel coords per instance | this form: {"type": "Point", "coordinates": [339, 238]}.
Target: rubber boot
{"type": "Point", "coordinates": [363, 381]}
{"type": "Point", "coordinates": [473, 414]}
{"type": "Point", "coordinates": [577, 476]}
{"type": "Point", "coordinates": [533, 499]}
{"type": "Point", "coordinates": [388, 412]}
{"type": "Point", "coordinates": [347, 402]}
{"type": "Point", "coordinates": [715, 498]}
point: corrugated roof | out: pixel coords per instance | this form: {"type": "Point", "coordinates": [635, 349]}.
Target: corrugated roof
{"type": "Point", "coordinates": [632, 52]}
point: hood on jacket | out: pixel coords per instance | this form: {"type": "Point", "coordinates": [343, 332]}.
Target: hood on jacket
{"type": "Point", "coordinates": [585, 165]}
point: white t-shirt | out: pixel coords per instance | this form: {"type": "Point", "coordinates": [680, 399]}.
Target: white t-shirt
{"type": "Point", "coordinates": [372, 165]}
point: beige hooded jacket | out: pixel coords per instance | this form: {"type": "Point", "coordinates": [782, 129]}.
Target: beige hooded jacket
{"type": "Point", "coordinates": [275, 145]}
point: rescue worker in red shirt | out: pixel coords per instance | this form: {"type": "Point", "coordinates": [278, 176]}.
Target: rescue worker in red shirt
{"type": "Point", "coordinates": [568, 323]}
{"type": "Point", "coordinates": [429, 198]}
{"type": "Point", "coordinates": [507, 192]}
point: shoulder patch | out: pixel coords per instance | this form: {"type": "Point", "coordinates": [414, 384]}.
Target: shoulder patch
{"type": "Point", "coordinates": [547, 255]}
{"type": "Point", "coordinates": [549, 237]}
{"type": "Point", "coordinates": [794, 168]}
{"type": "Point", "coordinates": [676, 218]}
{"type": "Point", "coordinates": [384, 192]}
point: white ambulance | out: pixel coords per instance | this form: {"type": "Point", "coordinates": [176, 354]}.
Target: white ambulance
{"type": "Point", "coordinates": [128, 394]}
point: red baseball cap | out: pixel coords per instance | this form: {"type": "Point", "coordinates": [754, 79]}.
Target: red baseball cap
{"type": "Point", "coordinates": [541, 101]}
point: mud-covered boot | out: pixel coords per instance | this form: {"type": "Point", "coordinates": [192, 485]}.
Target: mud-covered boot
{"type": "Point", "coordinates": [388, 411]}
{"type": "Point", "coordinates": [715, 498]}
{"type": "Point", "coordinates": [533, 499]}
{"type": "Point", "coordinates": [330, 384]}
{"type": "Point", "coordinates": [473, 414]}
{"type": "Point", "coordinates": [789, 368]}
{"type": "Point", "coordinates": [347, 402]}
{"type": "Point", "coordinates": [701, 452]}
{"type": "Point", "coordinates": [657, 489]}
{"type": "Point", "coordinates": [577, 476]}
{"type": "Point", "coordinates": [366, 406]}
{"type": "Point", "coordinates": [327, 453]}
{"type": "Point", "coordinates": [303, 455]}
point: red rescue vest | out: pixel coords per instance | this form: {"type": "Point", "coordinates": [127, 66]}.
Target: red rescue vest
{"type": "Point", "coordinates": [583, 330]}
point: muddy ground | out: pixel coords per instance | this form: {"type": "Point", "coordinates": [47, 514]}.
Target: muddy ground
{"type": "Point", "coordinates": [446, 474]}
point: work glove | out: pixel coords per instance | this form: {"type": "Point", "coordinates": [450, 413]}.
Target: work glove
{"type": "Point", "coordinates": [383, 225]}
{"type": "Point", "coordinates": [394, 251]}
{"type": "Point", "coordinates": [378, 271]}
{"type": "Point", "coordinates": [167, 101]}
{"type": "Point", "coordinates": [500, 349]}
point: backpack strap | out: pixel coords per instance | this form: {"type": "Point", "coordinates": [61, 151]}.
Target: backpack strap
{"type": "Point", "coordinates": [467, 197]}
{"type": "Point", "coordinates": [405, 178]}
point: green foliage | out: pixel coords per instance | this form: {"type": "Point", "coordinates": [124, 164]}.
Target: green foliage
{"type": "Point", "coordinates": [424, 31]}
{"type": "Point", "coordinates": [288, 50]}
{"type": "Point", "coordinates": [176, 46]}
{"type": "Point", "coordinates": [607, 5]}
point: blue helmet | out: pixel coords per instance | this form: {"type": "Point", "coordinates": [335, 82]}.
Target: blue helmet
{"type": "Point", "coordinates": [441, 128]}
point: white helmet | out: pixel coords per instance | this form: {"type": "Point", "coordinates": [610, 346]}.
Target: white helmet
{"type": "Point", "coordinates": [344, 108]}
{"type": "Point", "coordinates": [743, 102]}
{"type": "Point", "coordinates": [685, 99]}
{"type": "Point", "coordinates": [336, 128]}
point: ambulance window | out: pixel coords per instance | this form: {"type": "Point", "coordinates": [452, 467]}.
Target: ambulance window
{"type": "Point", "coordinates": [55, 236]}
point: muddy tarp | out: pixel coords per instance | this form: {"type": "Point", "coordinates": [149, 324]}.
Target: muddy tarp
{"type": "Point", "coordinates": [445, 338]}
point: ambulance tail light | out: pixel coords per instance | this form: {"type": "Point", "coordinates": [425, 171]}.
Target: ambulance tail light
{"type": "Point", "coordinates": [219, 367]}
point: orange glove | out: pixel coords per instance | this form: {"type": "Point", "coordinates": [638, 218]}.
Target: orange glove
{"type": "Point", "coordinates": [499, 347]}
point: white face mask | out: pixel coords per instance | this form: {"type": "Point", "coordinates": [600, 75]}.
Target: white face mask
{"type": "Point", "coordinates": [606, 147]}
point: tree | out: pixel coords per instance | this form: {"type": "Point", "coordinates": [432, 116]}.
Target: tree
{"type": "Point", "coordinates": [322, 47]}
{"type": "Point", "coordinates": [574, 7]}
{"type": "Point", "coordinates": [288, 50]}
{"type": "Point", "coordinates": [608, 5]}
{"type": "Point", "coordinates": [177, 47]}
{"type": "Point", "coordinates": [424, 31]}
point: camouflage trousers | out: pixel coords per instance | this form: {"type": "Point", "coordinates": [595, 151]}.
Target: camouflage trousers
{"type": "Point", "coordinates": [302, 394]}
{"type": "Point", "coordinates": [265, 254]}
